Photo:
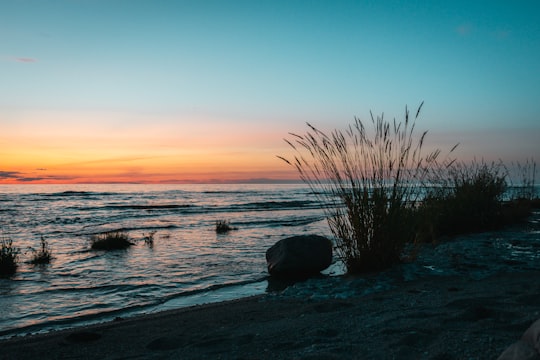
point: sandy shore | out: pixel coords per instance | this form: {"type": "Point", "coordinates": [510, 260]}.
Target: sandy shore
{"type": "Point", "coordinates": [435, 318]}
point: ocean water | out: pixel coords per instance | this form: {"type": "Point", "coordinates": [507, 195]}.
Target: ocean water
{"type": "Point", "coordinates": [189, 263]}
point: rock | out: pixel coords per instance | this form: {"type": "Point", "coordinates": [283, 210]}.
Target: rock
{"type": "Point", "coordinates": [519, 350]}
{"type": "Point", "coordinates": [299, 256]}
{"type": "Point", "coordinates": [528, 348]}
{"type": "Point", "coordinates": [532, 336]}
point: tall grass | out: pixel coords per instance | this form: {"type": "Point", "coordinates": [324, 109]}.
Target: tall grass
{"type": "Point", "coordinates": [468, 198]}
{"type": "Point", "coordinates": [526, 188]}
{"type": "Point", "coordinates": [8, 257]}
{"type": "Point", "coordinates": [371, 181]}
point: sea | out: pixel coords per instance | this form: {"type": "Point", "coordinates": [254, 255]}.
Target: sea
{"type": "Point", "coordinates": [189, 263]}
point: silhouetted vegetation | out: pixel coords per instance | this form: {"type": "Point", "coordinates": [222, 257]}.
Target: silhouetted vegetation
{"type": "Point", "coordinates": [372, 183]}
{"type": "Point", "coordinates": [149, 239]}
{"type": "Point", "coordinates": [476, 197]}
{"type": "Point", "coordinates": [223, 226]}
{"type": "Point", "coordinates": [8, 257]}
{"type": "Point", "coordinates": [381, 193]}
{"type": "Point", "coordinates": [43, 255]}
{"type": "Point", "coordinates": [469, 199]}
{"type": "Point", "coordinates": [525, 189]}
{"type": "Point", "coordinates": [114, 240]}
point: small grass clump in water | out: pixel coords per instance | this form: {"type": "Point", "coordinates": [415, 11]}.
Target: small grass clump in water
{"type": "Point", "coordinates": [8, 257]}
{"type": "Point", "coordinates": [43, 255]}
{"type": "Point", "coordinates": [223, 226]}
{"type": "Point", "coordinates": [113, 240]}
{"type": "Point", "coordinates": [149, 239]}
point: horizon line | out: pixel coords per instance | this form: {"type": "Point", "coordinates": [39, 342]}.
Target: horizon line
{"type": "Point", "coordinates": [178, 182]}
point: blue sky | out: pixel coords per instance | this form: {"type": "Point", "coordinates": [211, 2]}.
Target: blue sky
{"type": "Point", "coordinates": [263, 68]}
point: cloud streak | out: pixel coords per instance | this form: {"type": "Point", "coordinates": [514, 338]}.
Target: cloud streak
{"type": "Point", "coordinates": [18, 176]}
{"type": "Point", "coordinates": [18, 59]}
{"type": "Point", "coordinates": [9, 175]}
{"type": "Point", "coordinates": [25, 60]}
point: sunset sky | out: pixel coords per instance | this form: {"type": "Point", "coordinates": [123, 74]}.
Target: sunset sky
{"type": "Point", "coordinates": [203, 91]}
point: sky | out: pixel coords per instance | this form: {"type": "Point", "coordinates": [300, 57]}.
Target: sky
{"type": "Point", "coordinates": [107, 91]}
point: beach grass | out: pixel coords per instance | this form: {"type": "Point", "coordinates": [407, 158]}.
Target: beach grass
{"type": "Point", "coordinates": [223, 226]}
{"type": "Point", "coordinates": [112, 240]}
{"type": "Point", "coordinates": [469, 198]}
{"type": "Point", "coordinates": [370, 182]}
{"type": "Point", "coordinates": [526, 186]}
{"type": "Point", "coordinates": [43, 255]}
{"type": "Point", "coordinates": [380, 192]}
{"type": "Point", "coordinates": [8, 257]}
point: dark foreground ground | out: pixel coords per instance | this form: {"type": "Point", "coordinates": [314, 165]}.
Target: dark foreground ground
{"type": "Point", "coordinates": [436, 318]}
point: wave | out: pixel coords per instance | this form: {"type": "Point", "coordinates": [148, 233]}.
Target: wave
{"type": "Point", "coordinates": [276, 205]}
{"type": "Point", "coordinates": [198, 209]}
{"type": "Point", "coordinates": [97, 313]}
{"type": "Point", "coordinates": [149, 207]}
{"type": "Point", "coordinates": [289, 222]}
{"type": "Point", "coordinates": [123, 229]}
{"type": "Point", "coordinates": [229, 192]}
{"type": "Point", "coordinates": [78, 193]}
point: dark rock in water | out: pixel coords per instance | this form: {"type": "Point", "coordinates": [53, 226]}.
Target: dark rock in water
{"type": "Point", "coordinates": [299, 256]}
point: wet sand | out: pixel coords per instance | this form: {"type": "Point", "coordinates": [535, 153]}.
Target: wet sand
{"type": "Point", "coordinates": [434, 318]}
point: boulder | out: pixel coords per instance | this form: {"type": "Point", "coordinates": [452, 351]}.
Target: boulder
{"type": "Point", "coordinates": [299, 256]}
{"type": "Point", "coordinates": [528, 348]}
{"type": "Point", "coordinates": [519, 350]}
{"type": "Point", "coordinates": [532, 336]}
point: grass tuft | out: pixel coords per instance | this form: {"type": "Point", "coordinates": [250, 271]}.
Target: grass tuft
{"type": "Point", "coordinates": [468, 200]}
{"type": "Point", "coordinates": [43, 255]}
{"type": "Point", "coordinates": [149, 238]}
{"type": "Point", "coordinates": [113, 240]}
{"type": "Point", "coordinates": [8, 257]}
{"type": "Point", "coordinates": [223, 226]}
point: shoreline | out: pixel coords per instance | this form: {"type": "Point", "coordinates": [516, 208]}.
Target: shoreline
{"type": "Point", "coordinates": [433, 318]}
{"type": "Point", "coordinates": [197, 298]}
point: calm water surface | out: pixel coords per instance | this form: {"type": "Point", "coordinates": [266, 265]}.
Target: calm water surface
{"type": "Point", "coordinates": [189, 263]}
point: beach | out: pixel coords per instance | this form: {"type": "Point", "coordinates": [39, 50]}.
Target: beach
{"type": "Point", "coordinates": [432, 318]}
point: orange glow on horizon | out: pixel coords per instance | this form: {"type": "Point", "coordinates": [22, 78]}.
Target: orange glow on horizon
{"type": "Point", "coordinates": [138, 155]}
{"type": "Point", "coordinates": [182, 166]}
{"type": "Point", "coordinates": [63, 147]}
